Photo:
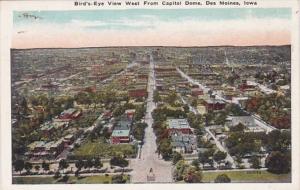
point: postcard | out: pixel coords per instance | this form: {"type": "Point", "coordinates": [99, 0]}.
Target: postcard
{"type": "Point", "coordinates": [150, 94]}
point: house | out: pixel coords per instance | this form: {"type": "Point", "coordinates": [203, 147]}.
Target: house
{"type": "Point", "coordinates": [247, 121]}
{"type": "Point", "coordinates": [137, 92]}
{"type": "Point", "coordinates": [214, 104]}
{"type": "Point", "coordinates": [120, 136]}
{"type": "Point", "coordinates": [130, 113]}
{"type": "Point", "coordinates": [70, 114]}
{"type": "Point", "coordinates": [68, 140]}
{"type": "Point", "coordinates": [121, 132]}
{"type": "Point", "coordinates": [196, 91]}
{"type": "Point", "coordinates": [178, 126]}
{"type": "Point", "coordinates": [183, 143]}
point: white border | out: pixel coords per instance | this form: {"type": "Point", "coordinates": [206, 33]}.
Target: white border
{"type": "Point", "coordinates": [6, 9]}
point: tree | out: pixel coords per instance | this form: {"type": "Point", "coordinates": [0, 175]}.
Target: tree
{"type": "Point", "coordinates": [156, 96]}
{"type": "Point", "coordinates": [192, 176]}
{"type": "Point", "coordinates": [222, 178]}
{"type": "Point", "coordinates": [219, 155]}
{"type": "Point", "coordinates": [176, 157]}
{"type": "Point", "coordinates": [19, 165]}
{"type": "Point", "coordinates": [88, 163]}
{"type": "Point", "coordinates": [277, 162]}
{"type": "Point", "coordinates": [37, 167]}
{"type": "Point", "coordinates": [204, 157]}
{"type": "Point", "coordinates": [45, 166]}
{"type": "Point", "coordinates": [180, 168]}
{"type": "Point", "coordinates": [79, 164]}
{"type": "Point", "coordinates": [165, 148]}
{"type": "Point", "coordinates": [63, 164]}
{"type": "Point", "coordinates": [97, 163]}
{"type": "Point", "coordinates": [57, 174]}
{"type": "Point", "coordinates": [118, 179]}
{"type": "Point", "coordinates": [28, 166]}
{"type": "Point", "coordinates": [118, 161]}
{"type": "Point", "coordinates": [255, 162]}
{"type": "Point", "coordinates": [195, 163]}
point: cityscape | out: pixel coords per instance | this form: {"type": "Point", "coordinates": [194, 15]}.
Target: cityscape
{"type": "Point", "coordinates": [151, 114]}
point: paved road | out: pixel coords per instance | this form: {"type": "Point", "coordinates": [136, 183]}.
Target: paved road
{"type": "Point", "coordinates": [221, 148]}
{"type": "Point", "coordinates": [149, 158]}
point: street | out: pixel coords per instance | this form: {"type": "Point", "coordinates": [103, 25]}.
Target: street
{"type": "Point", "coordinates": [149, 159]}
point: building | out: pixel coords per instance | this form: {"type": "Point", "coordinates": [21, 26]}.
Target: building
{"type": "Point", "coordinates": [70, 114]}
{"type": "Point", "coordinates": [120, 136]}
{"type": "Point", "coordinates": [121, 132]}
{"type": "Point", "coordinates": [130, 113]}
{"type": "Point", "coordinates": [214, 104]}
{"type": "Point", "coordinates": [178, 126]}
{"type": "Point", "coordinates": [183, 143]}
{"type": "Point", "coordinates": [137, 92]}
{"type": "Point", "coordinates": [196, 92]}
{"type": "Point", "coordinates": [247, 121]}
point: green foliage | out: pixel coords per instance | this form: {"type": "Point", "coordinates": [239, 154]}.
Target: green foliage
{"type": "Point", "coordinates": [222, 178]}
{"type": "Point", "coordinates": [187, 173]}
{"type": "Point", "coordinates": [45, 166]}
{"type": "Point", "coordinates": [28, 166]}
{"type": "Point", "coordinates": [255, 162]}
{"type": "Point", "coordinates": [118, 179]}
{"type": "Point", "coordinates": [277, 140]}
{"type": "Point", "coordinates": [192, 176]}
{"type": "Point", "coordinates": [238, 128]}
{"type": "Point", "coordinates": [138, 131]}
{"type": "Point", "coordinates": [195, 121]}
{"type": "Point", "coordinates": [165, 148]}
{"type": "Point", "coordinates": [156, 96]}
{"type": "Point", "coordinates": [118, 161]}
{"type": "Point", "coordinates": [219, 156]}
{"type": "Point", "coordinates": [272, 109]}
{"type": "Point", "coordinates": [19, 165]}
{"type": "Point", "coordinates": [176, 157]}
{"type": "Point", "coordinates": [79, 164]}
{"type": "Point", "coordinates": [240, 143]}
{"type": "Point", "coordinates": [278, 162]}
{"type": "Point", "coordinates": [204, 157]}
{"type": "Point", "coordinates": [63, 164]}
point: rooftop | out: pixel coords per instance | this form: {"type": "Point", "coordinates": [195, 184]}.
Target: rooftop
{"type": "Point", "coordinates": [178, 123]}
{"type": "Point", "coordinates": [120, 133]}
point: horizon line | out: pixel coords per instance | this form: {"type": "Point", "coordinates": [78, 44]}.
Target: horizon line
{"type": "Point", "coordinates": [128, 46]}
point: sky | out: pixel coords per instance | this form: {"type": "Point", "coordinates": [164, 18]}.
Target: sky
{"type": "Point", "coordinates": [152, 27]}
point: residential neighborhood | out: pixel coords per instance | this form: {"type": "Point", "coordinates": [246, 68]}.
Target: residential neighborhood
{"type": "Point", "coordinates": [151, 114]}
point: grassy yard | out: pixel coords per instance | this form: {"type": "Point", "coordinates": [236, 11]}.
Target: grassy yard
{"type": "Point", "coordinates": [72, 179]}
{"type": "Point", "coordinates": [249, 176]}
{"type": "Point", "coordinates": [98, 148]}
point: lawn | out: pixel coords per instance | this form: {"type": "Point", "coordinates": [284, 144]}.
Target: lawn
{"type": "Point", "coordinates": [249, 176]}
{"type": "Point", "coordinates": [72, 179]}
{"type": "Point", "coordinates": [104, 150]}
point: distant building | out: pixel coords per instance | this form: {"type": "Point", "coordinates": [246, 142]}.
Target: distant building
{"type": "Point", "coordinates": [196, 91]}
{"type": "Point", "coordinates": [137, 92]}
{"type": "Point", "coordinates": [247, 121]}
{"type": "Point", "coordinates": [214, 104]}
{"type": "Point", "coordinates": [178, 125]}
{"type": "Point", "coordinates": [70, 114]}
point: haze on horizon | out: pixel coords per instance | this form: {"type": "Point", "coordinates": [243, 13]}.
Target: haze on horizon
{"type": "Point", "coordinates": [152, 27]}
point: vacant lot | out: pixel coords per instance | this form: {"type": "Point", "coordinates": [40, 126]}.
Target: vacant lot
{"type": "Point", "coordinates": [249, 176]}
{"type": "Point", "coordinates": [104, 150]}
